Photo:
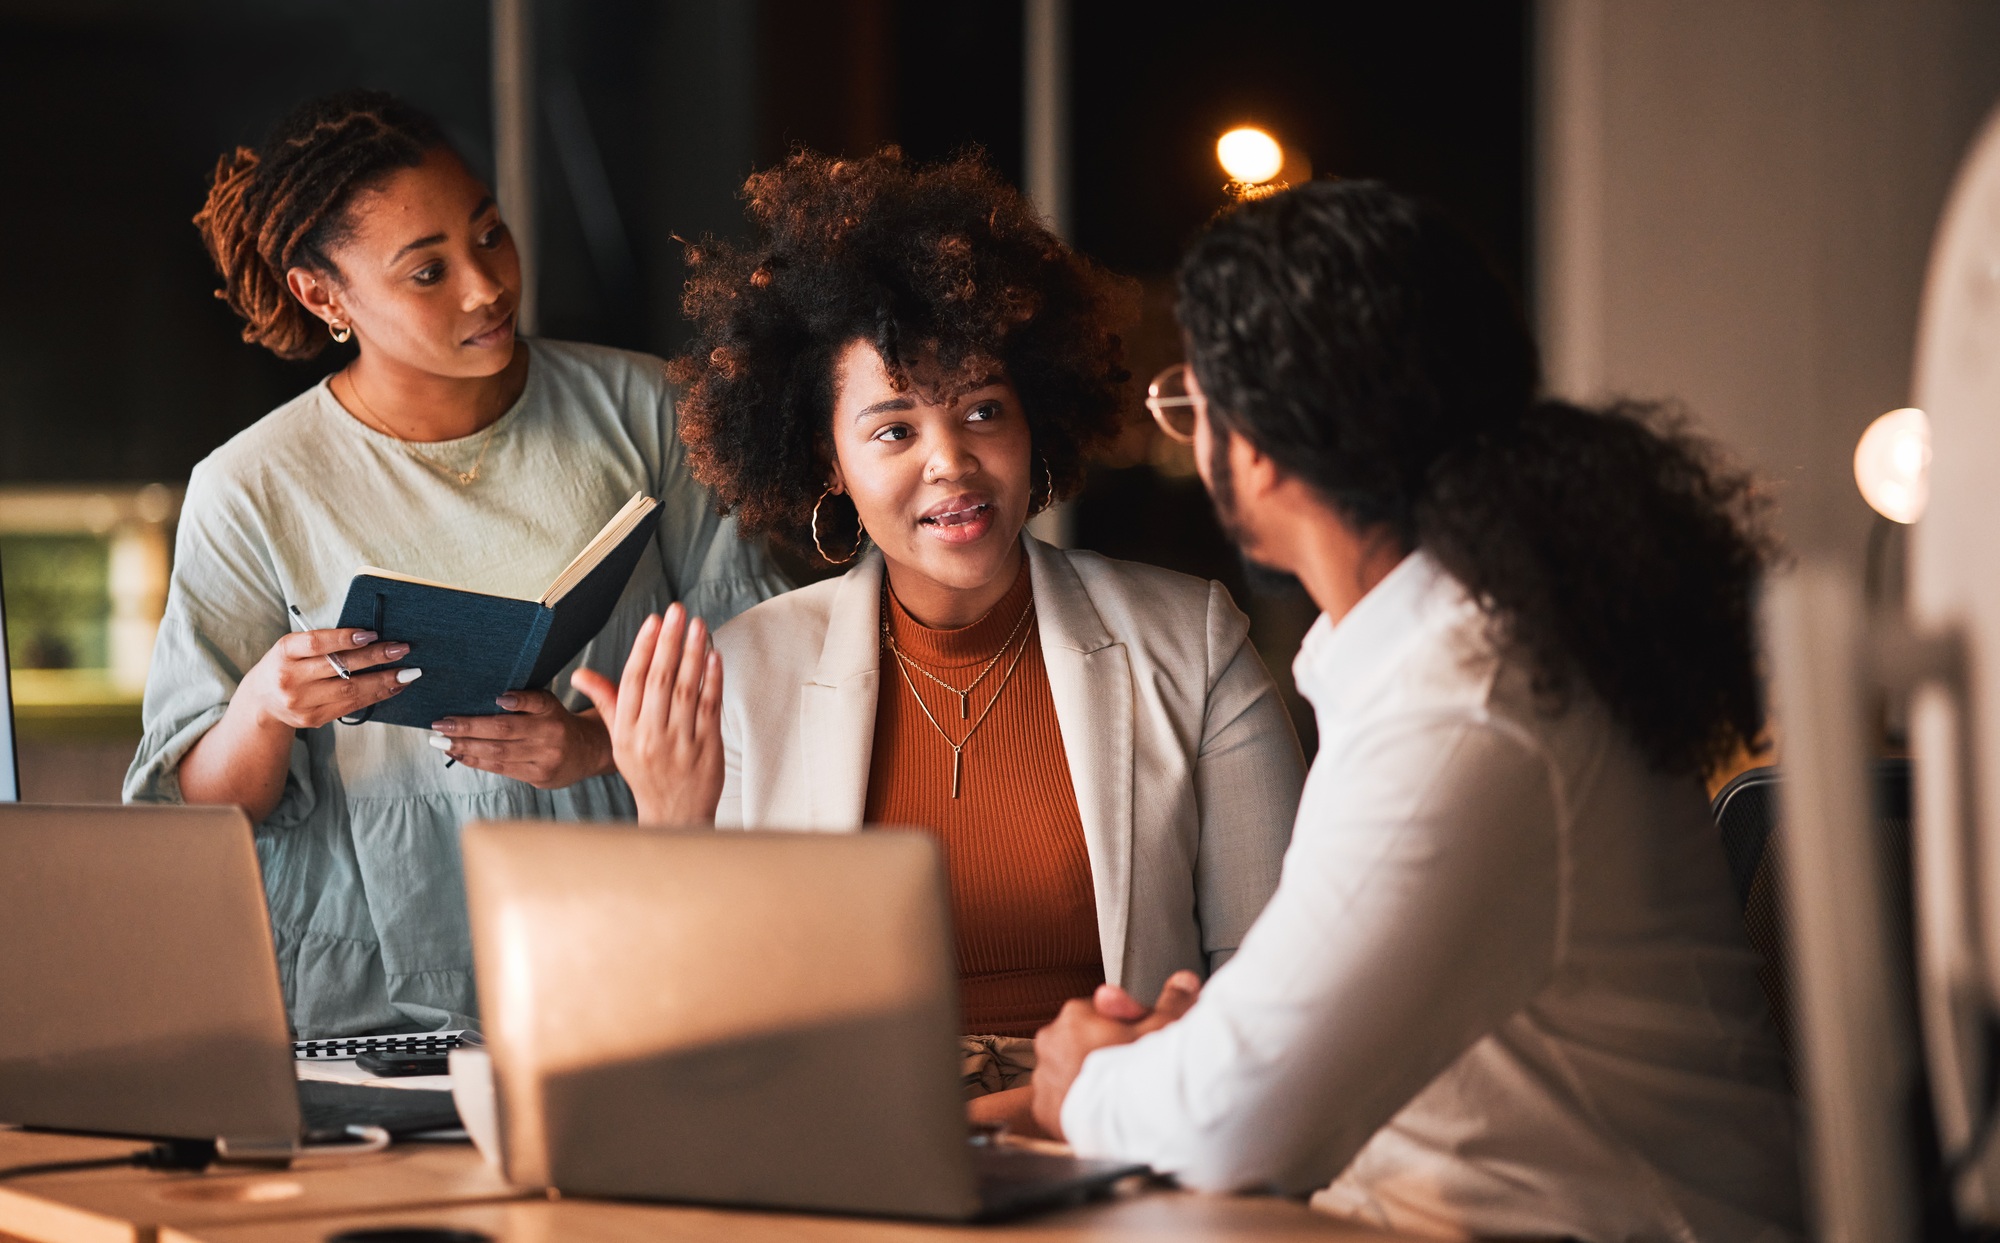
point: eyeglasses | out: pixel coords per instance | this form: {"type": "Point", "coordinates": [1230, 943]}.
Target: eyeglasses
{"type": "Point", "coordinates": [1174, 403]}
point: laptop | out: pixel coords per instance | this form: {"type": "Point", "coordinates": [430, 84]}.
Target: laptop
{"type": "Point", "coordinates": [10, 758]}
{"type": "Point", "coordinates": [139, 989]}
{"type": "Point", "coordinates": [764, 1019]}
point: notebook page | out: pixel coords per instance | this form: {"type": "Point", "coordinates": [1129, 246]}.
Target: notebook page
{"type": "Point", "coordinates": [600, 544]}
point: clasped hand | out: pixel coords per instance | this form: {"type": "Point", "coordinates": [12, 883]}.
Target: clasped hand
{"type": "Point", "coordinates": [1111, 1016]}
{"type": "Point", "coordinates": [665, 719]}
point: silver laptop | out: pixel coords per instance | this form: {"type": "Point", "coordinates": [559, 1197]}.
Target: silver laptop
{"type": "Point", "coordinates": [10, 760]}
{"type": "Point", "coordinates": [760, 1018]}
{"type": "Point", "coordinates": [139, 989]}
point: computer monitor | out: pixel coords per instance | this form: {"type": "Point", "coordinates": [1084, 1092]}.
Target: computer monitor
{"type": "Point", "coordinates": [1953, 594]}
{"type": "Point", "coordinates": [10, 763]}
{"type": "Point", "coordinates": [1871, 1044]}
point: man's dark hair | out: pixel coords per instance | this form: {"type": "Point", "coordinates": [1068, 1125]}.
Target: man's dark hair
{"type": "Point", "coordinates": [1358, 338]}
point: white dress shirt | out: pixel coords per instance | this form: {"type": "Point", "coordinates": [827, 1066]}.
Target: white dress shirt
{"type": "Point", "coordinates": [1503, 986]}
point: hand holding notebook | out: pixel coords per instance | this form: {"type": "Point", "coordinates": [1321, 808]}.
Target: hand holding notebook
{"type": "Point", "coordinates": [474, 646]}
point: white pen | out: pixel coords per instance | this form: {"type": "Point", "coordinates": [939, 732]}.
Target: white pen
{"type": "Point", "coordinates": [331, 659]}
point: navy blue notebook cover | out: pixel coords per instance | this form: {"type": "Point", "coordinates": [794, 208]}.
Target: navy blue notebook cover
{"type": "Point", "coordinates": [474, 647]}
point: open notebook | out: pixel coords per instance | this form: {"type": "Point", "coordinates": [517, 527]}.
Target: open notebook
{"type": "Point", "coordinates": [474, 646]}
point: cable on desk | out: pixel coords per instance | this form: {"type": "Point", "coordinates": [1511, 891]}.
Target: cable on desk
{"type": "Point", "coordinates": [173, 1154]}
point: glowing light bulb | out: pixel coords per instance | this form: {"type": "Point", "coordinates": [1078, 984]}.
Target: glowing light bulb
{"type": "Point", "coordinates": [1892, 464]}
{"type": "Point", "coordinates": [1249, 155]}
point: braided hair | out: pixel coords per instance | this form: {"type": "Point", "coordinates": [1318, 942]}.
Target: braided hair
{"type": "Point", "coordinates": [286, 204]}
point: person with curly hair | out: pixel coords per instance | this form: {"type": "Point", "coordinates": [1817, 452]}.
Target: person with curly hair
{"type": "Point", "coordinates": [447, 448]}
{"type": "Point", "coordinates": [1504, 988]}
{"type": "Point", "coordinates": [897, 372]}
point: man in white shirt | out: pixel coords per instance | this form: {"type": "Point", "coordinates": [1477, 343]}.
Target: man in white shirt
{"type": "Point", "coordinates": [1503, 986]}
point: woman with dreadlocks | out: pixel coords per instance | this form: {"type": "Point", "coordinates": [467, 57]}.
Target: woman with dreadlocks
{"type": "Point", "coordinates": [447, 448]}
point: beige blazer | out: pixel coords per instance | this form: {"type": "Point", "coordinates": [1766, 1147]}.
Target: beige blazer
{"type": "Point", "coordinates": [1186, 768]}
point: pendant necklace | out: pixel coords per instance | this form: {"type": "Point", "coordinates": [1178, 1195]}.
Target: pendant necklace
{"type": "Point", "coordinates": [463, 478]}
{"type": "Point", "coordinates": [904, 664]}
{"type": "Point", "coordinates": [964, 696]}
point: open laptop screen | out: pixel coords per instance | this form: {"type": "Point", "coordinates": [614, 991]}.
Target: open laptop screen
{"type": "Point", "coordinates": [10, 769]}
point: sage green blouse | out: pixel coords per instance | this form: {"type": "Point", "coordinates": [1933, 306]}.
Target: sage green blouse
{"type": "Point", "coordinates": [360, 858]}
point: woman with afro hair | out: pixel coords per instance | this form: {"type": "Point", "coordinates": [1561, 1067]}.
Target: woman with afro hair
{"type": "Point", "coordinates": [445, 447]}
{"type": "Point", "coordinates": [902, 368]}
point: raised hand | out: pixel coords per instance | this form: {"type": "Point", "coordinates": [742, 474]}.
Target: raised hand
{"type": "Point", "coordinates": [665, 719]}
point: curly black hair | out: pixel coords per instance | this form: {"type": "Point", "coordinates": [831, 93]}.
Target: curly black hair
{"type": "Point", "coordinates": [944, 265]}
{"type": "Point", "coordinates": [1359, 338]}
{"type": "Point", "coordinates": [286, 205]}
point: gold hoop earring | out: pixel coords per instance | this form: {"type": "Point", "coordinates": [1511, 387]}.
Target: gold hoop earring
{"type": "Point", "coordinates": [339, 332]}
{"type": "Point", "coordinates": [818, 547]}
{"type": "Point", "coordinates": [1048, 488]}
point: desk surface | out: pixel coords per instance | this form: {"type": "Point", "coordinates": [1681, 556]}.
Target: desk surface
{"type": "Point", "coordinates": [448, 1186]}
{"type": "Point", "coordinates": [1150, 1214]}
{"type": "Point", "coordinates": [124, 1205]}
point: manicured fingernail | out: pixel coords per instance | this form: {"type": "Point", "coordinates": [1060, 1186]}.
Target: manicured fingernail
{"type": "Point", "coordinates": [396, 651]}
{"type": "Point", "coordinates": [444, 727]}
{"type": "Point", "coordinates": [408, 675]}
{"type": "Point", "coordinates": [440, 742]}
{"type": "Point", "coordinates": [674, 611]}
{"type": "Point", "coordinates": [362, 638]}
{"type": "Point", "coordinates": [509, 702]}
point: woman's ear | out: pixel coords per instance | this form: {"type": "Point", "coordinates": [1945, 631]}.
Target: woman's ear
{"type": "Point", "coordinates": [316, 294]}
{"type": "Point", "coordinates": [835, 481]}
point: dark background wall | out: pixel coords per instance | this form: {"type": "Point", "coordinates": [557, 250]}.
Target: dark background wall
{"type": "Point", "coordinates": [1428, 96]}
{"type": "Point", "coordinates": [116, 364]}
{"type": "Point", "coordinates": [115, 361]}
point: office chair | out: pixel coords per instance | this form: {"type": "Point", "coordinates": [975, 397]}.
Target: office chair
{"type": "Point", "coordinates": [1746, 812]}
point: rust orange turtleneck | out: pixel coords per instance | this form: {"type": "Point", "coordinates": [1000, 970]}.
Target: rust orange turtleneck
{"type": "Point", "coordinates": [1023, 905]}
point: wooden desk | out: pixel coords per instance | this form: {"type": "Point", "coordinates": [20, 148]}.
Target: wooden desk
{"type": "Point", "coordinates": [127, 1205]}
{"type": "Point", "coordinates": [448, 1186]}
{"type": "Point", "coordinates": [1140, 1216]}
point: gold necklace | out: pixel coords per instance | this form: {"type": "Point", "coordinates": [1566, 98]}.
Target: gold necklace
{"type": "Point", "coordinates": [958, 747]}
{"type": "Point", "coordinates": [964, 696]}
{"type": "Point", "coordinates": [463, 478]}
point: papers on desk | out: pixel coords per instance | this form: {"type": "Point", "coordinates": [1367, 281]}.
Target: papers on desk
{"type": "Point", "coordinates": [348, 1072]}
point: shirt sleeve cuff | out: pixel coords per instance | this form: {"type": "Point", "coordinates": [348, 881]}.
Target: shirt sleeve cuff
{"type": "Point", "coordinates": [155, 776]}
{"type": "Point", "coordinates": [1086, 1110]}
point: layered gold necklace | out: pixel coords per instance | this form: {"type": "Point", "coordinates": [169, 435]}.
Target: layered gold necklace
{"type": "Point", "coordinates": [463, 478]}
{"type": "Point", "coordinates": [905, 664]}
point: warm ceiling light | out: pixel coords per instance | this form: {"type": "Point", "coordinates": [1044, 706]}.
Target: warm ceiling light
{"type": "Point", "coordinates": [1249, 155]}
{"type": "Point", "coordinates": [1892, 464]}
